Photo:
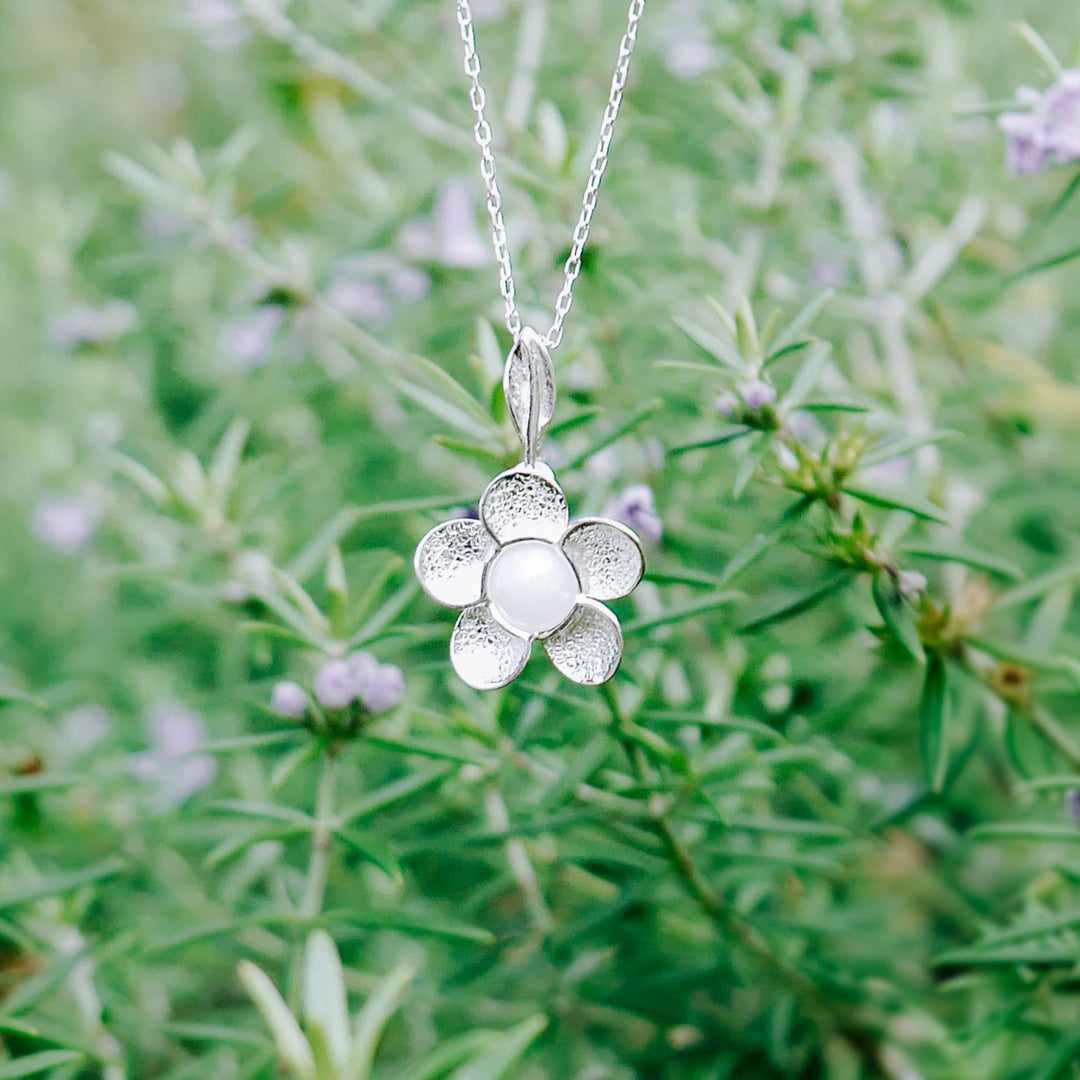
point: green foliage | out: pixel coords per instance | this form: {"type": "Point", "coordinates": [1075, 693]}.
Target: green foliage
{"type": "Point", "coordinates": [822, 824]}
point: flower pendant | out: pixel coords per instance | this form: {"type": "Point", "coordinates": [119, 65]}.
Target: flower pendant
{"type": "Point", "coordinates": [523, 572]}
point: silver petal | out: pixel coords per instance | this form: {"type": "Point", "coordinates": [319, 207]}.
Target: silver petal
{"type": "Point", "coordinates": [484, 653]}
{"type": "Point", "coordinates": [589, 647]}
{"type": "Point", "coordinates": [524, 504]}
{"type": "Point", "coordinates": [450, 562]}
{"type": "Point", "coordinates": [607, 557]}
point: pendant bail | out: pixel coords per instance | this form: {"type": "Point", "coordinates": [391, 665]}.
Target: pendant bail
{"type": "Point", "coordinates": [529, 389]}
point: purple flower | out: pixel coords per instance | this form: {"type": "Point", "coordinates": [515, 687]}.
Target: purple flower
{"type": "Point", "coordinates": [1050, 128]}
{"type": "Point", "coordinates": [360, 677]}
{"type": "Point", "coordinates": [378, 686]}
{"type": "Point", "coordinates": [636, 507]}
{"type": "Point", "coordinates": [450, 236]}
{"type": "Point", "coordinates": [727, 404]}
{"type": "Point", "coordinates": [220, 23]}
{"type": "Point", "coordinates": [758, 394]}
{"type": "Point", "coordinates": [1027, 151]}
{"type": "Point", "coordinates": [335, 685]}
{"type": "Point", "coordinates": [385, 689]}
{"type": "Point", "coordinates": [93, 325]}
{"type": "Point", "coordinates": [174, 762]}
{"type": "Point", "coordinates": [249, 340]}
{"type": "Point", "coordinates": [1072, 804]}
{"type": "Point", "coordinates": [364, 302]}
{"type": "Point", "coordinates": [289, 699]}
{"type": "Point", "coordinates": [65, 523]}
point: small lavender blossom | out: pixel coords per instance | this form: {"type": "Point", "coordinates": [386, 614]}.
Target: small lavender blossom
{"type": "Point", "coordinates": [335, 685]}
{"type": "Point", "coordinates": [385, 689]}
{"type": "Point", "coordinates": [636, 507]}
{"type": "Point", "coordinates": [450, 236]}
{"type": "Point", "coordinates": [248, 341]}
{"type": "Point", "coordinates": [364, 302]}
{"type": "Point", "coordinates": [93, 325]}
{"type": "Point", "coordinates": [758, 394]}
{"type": "Point", "coordinates": [65, 523]}
{"type": "Point", "coordinates": [1049, 130]}
{"type": "Point", "coordinates": [728, 404]}
{"type": "Point", "coordinates": [289, 699]}
{"type": "Point", "coordinates": [174, 762]}
{"type": "Point", "coordinates": [220, 23]}
{"type": "Point", "coordinates": [465, 513]}
{"type": "Point", "coordinates": [1072, 804]}
{"type": "Point", "coordinates": [1026, 149]}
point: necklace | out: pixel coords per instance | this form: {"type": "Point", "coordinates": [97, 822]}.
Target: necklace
{"type": "Point", "coordinates": [523, 572]}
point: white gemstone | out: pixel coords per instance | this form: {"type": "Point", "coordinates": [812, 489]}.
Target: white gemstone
{"type": "Point", "coordinates": [531, 586]}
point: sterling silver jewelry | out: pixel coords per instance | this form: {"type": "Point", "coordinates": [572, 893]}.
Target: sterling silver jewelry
{"type": "Point", "coordinates": [523, 572]}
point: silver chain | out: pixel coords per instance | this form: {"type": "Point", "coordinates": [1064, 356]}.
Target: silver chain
{"type": "Point", "coordinates": [482, 130]}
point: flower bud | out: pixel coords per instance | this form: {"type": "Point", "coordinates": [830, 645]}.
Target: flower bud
{"type": "Point", "coordinates": [758, 394]}
{"type": "Point", "coordinates": [385, 690]}
{"type": "Point", "coordinates": [727, 405]}
{"type": "Point", "coordinates": [335, 685]}
{"type": "Point", "coordinates": [289, 699]}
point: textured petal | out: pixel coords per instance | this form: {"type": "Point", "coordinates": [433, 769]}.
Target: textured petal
{"type": "Point", "coordinates": [524, 504]}
{"type": "Point", "coordinates": [607, 557]}
{"type": "Point", "coordinates": [589, 647]}
{"type": "Point", "coordinates": [450, 562]}
{"type": "Point", "coordinates": [484, 653]}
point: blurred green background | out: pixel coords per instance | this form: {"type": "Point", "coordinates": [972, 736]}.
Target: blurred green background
{"type": "Point", "coordinates": [821, 826]}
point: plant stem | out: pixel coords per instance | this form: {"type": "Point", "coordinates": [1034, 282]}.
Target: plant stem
{"type": "Point", "coordinates": [829, 1015]}
{"type": "Point", "coordinates": [311, 901]}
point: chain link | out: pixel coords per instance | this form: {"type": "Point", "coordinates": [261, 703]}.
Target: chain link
{"type": "Point", "coordinates": [482, 130]}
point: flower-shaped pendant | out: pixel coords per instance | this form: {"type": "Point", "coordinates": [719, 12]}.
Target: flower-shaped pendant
{"type": "Point", "coordinates": [523, 572]}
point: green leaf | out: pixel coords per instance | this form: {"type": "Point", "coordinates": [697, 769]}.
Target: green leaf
{"type": "Point", "coordinates": [56, 884]}
{"type": "Point", "coordinates": [311, 557]}
{"type": "Point", "coordinates": [920, 509]}
{"type": "Point", "coordinates": [325, 1003]}
{"type": "Point", "coordinates": [337, 590]}
{"type": "Point", "coordinates": [748, 465]}
{"type": "Point", "coordinates": [424, 748]}
{"type": "Point", "coordinates": [798, 326]}
{"type": "Point", "coordinates": [890, 449]}
{"type": "Point", "coordinates": [680, 614]}
{"type": "Point", "coordinates": [496, 1061]}
{"type": "Point", "coordinates": [374, 850]}
{"type": "Point", "coordinates": [485, 455]}
{"type": "Point", "coordinates": [35, 1064]}
{"type": "Point", "coordinates": [448, 1055]}
{"type": "Point", "coordinates": [635, 420]}
{"type": "Point", "coordinates": [807, 377]}
{"type": "Point", "coordinates": [22, 785]}
{"type": "Point", "coordinates": [724, 352]}
{"type": "Point", "coordinates": [264, 810]}
{"type": "Point", "coordinates": [934, 723]}
{"type": "Point", "coordinates": [1036, 587]}
{"type": "Point", "coordinates": [226, 460]}
{"type": "Point", "coordinates": [292, 1047]}
{"type": "Point", "coordinates": [372, 1019]}
{"type": "Point", "coordinates": [1051, 833]}
{"type": "Point", "coordinates": [1012, 958]}
{"type": "Point", "coordinates": [446, 399]}
{"type": "Point", "coordinates": [968, 556]}
{"type": "Point", "coordinates": [571, 423]}
{"type": "Point", "coordinates": [374, 801]}
{"type": "Point", "coordinates": [797, 606]}
{"type": "Point", "coordinates": [727, 436]}
{"type": "Point", "coordinates": [1063, 1055]}
{"type": "Point", "coordinates": [898, 615]}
